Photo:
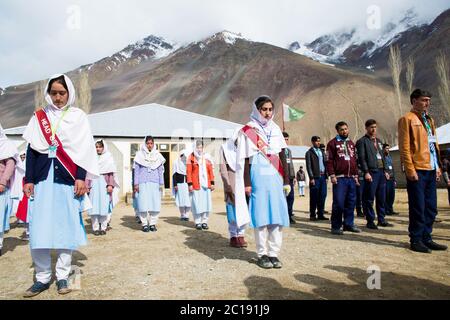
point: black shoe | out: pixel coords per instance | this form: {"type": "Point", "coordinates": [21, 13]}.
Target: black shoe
{"type": "Point", "coordinates": [138, 220]}
{"type": "Point", "coordinates": [372, 226]}
{"type": "Point", "coordinates": [205, 226]}
{"type": "Point", "coordinates": [146, 229]}
{"type": "Point", "coordinates": [360, 214]}
{"type": "Point", "coordinates": [198, 227]}
{"type": "Point", "coordinates": [323, 218]}
{"type": "Point", "coordinates": [292, 220]}
{"type": "Point", "coordinates": [337, 232]}
{"type": "Point", "coordinates": [420, 247]}
{"type": "Point", "coordinates": [353, 229]}
{"type": "Point", "coordinates": [96, 233]}
{"type": "Point", "coordinates": [0, 252]}
{"type": "Point", "coordinates": [276, 263]}
{"type": "Point", "coordinates": [102, 233]}
{"type": "Point", "coordinates": [434, 246]}
{"type": "Point", "coordinates": [385, 224]}
{"type": "Point", "coordinates": [264, 262]}
{"type": "Point", "coordinates": [36, 288]}
{"type": "Point", "coordinates": [63, 287]}
{"type": "Point", "coordinates": [153, 229]}
{"type": "Point", "coordinates": [311, 218]}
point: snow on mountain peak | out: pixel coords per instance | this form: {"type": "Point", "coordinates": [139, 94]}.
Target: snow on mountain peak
{"type": "Point", "coordinates": [226, 36]}
{"type": "Point", "coordinates": [357, 42]}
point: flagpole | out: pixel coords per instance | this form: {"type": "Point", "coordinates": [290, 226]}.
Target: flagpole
{"type": "Point", "coordinates": [282, 117]}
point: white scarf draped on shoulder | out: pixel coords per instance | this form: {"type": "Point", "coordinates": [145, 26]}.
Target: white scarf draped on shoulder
{"type": "Point", "coordinates": [271, 133]}
{"type": "Point", "coordinates": [149, 159]}
{"type": "Point", "coordinates": [74, 132]}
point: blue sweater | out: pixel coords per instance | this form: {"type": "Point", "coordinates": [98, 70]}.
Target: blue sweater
{"type": "Point", "coordinates": [38, 166]}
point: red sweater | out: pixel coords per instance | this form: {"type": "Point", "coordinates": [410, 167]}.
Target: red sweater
{"type": "Point", "coordinates": [339, 162]}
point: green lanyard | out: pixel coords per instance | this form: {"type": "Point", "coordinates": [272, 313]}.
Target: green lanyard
{"type": "Point", "coordinates": [427, 125]}
{"type": "Point", "coordinates": [55, 129]}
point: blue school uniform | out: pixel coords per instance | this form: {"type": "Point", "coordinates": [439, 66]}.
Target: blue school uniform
{"type": "Point", "coordinates": [268, 204]}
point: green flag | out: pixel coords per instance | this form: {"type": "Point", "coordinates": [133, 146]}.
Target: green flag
{"type": "Point", "coordinates": [291, 114]}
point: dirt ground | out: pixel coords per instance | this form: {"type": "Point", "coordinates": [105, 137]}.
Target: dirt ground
{"type": "Point", "coordinates": [179, 262]}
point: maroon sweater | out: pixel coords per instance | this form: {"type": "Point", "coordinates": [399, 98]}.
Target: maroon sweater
{"type": "Point", "coordinates": [339, 162]}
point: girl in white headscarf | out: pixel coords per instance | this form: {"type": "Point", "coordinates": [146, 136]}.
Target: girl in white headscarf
{"type": "Point", "coordinates": [200, 178]}
{"type": "Point", "coordinates": [181, 188]}
{"type": "Point", "coordinates": [102, 190]}
{"type": "Point", "coordinates": [149, 183]}
{"type": "Point", "coordinates": [60, 156]}
{"type": "Point", "coordinates": [262, 175]}
{"type": "Point", "coordinates": [9, 158]}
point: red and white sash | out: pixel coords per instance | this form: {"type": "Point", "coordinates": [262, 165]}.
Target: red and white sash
{"type": "Point", "coordinates": [61, 154]}
{"type": "Point", "coordinates": [258, 141]}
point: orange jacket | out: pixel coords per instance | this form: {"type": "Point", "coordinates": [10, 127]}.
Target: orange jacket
{"type": "Point", "coordinates": [413, 143]}
{"type": "Point", "coordinates": [193, 172]}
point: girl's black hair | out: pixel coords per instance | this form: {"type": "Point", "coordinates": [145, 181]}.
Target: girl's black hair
{"type": "Point", "coordinates": [61, 80]}
{"type": "Point", "coordinates": [262, 101]}
{"type": "Point", "coordinates": [149, 138]}
{"type": "Point", "coordinates": [100, 143]}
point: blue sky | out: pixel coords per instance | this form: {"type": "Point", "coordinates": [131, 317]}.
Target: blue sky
{"type": "Point", "coordinates": [42, 37]}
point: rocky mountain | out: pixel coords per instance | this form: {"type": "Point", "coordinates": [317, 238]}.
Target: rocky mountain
{"type": "Point", "coordinates": [221, 76]}
{"type": "Point", "coordinates": [419, 41]}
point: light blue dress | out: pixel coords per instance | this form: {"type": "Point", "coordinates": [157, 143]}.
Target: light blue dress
{"type": "Point", "coordinates": [201, 201]}
{"type": "Point", "coordinates": [231, 213]}
{"type": "Point", "coordinates": [5, 210]}
{"type": "Point", "coordinates": [268, 204]}
{"type": "Point", "coordinates": [182, 197]}
{"type": "Point", "coordinates": [149, 197]}
{"type": "Point", "coordinates": [100, 198]}
{"type": "Point", "coordinates": [56, 216]}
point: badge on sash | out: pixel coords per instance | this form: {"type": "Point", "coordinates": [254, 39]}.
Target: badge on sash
{"type": "Point", "coordinates": [390, 167]}
{"type": "Point", "coordinates": [52, 152]}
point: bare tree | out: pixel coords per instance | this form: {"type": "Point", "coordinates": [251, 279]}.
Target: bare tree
{"type": "Point", "coordinates": [84, 92]}
{"type": "Point", "coordinates": [410, 65]}
{"type": "Point", "coordinates": [442, 68]}
{"type": "Point", "coordinates": [395, 64]}
{"type": "Point", "coordinates": [39, 95]}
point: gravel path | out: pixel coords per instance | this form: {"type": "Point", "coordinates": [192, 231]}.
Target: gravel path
{"type": "Point", "coordinates": [179, 262]}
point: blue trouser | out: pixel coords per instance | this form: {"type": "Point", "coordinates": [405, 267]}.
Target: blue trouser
{"type": "Point", "coordinates": [344, 199]}
{"type": "Point", "coordinates": [422, 198]}
{"type": "Point", "coordinates": [290, 199]}
{"type": "Point", "coordinates": [359, 196]}
{"type": "Point", "coordinates": [318, 195]}
{"type": "Point", "coordinates": [390, 196]}
{"type": "Point", "coordinates": [375, 189]}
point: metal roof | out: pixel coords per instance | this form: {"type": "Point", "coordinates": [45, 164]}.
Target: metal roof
{"type": "Point", "coordinates": [442, 133]}
{"type": "Point", "coordinates": [156, 120]}
{"type": "Point", "coordinates": [299, 152]}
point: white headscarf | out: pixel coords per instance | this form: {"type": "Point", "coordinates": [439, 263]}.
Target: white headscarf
{"type": "Point", "coordinates": [179, 166]}
{"type": "Point", "coordinates": [268, 130]}
{"type": "Point", "coordinates": [9, 150]}
{"type": "Point", "coordinates": [106, 162]}
{"type": "Point", "coordinates": [202, 158]}
{"type": "Point", "coordinates": [74, 132]}
{"type": "Point", "coordinates": [229, 149]}
{"type": "Point", "coordinates": [7, 147]}
{"type": "Point", "coordinates": [149, 159]}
